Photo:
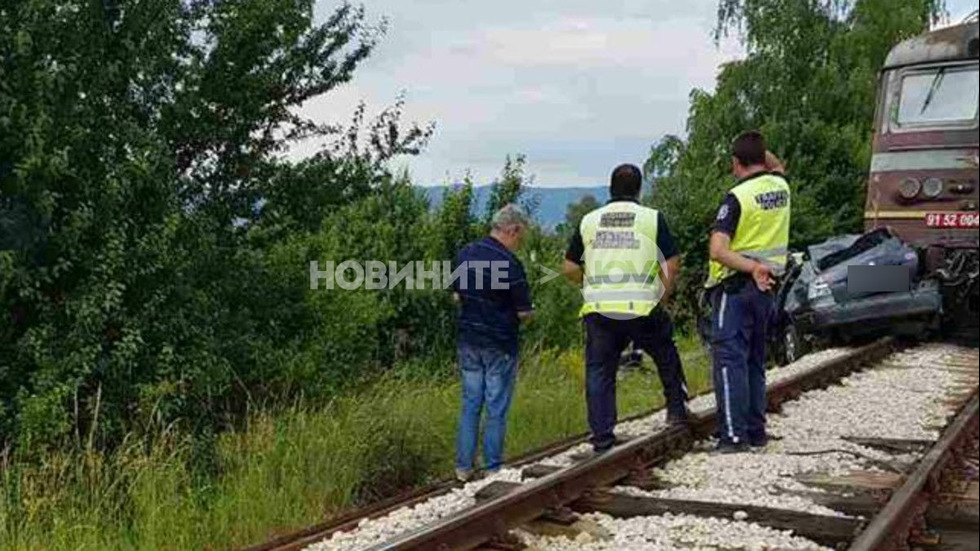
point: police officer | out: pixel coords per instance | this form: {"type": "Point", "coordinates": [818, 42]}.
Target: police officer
{"type": "Point", "coordinates": [626, 260]}
{"type": "Point", "coordinates": [748, 248]}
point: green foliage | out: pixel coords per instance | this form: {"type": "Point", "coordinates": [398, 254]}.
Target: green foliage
{"type": "Point", "coordinates": [809, 84]}
{"type": "Point", "coordinates": [143, 193]}
{"type": "Point", "coordinates": [575, 212]}
{"type": "Point", "coordinates": [292, 468]}
{"type": "Point", "coordinates": [556, 303]}
{"type": "Point", "coordinates": [455, 221]}
{"type": "Point", "coordinates": [157, 321]}
{"type": "Point", "coordinates": [510, 187]}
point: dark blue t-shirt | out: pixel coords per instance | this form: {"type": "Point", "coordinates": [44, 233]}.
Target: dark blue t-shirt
{"type": "Point", "coordinates": [492, 289]}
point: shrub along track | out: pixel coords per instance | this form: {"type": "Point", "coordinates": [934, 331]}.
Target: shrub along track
{"type": "Point", "coordinates": [587, 500]}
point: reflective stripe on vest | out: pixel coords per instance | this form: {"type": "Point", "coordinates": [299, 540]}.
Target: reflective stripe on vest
{"type": "Point", "coordinates": [618, 278]}
{"type": "Point", "coordinates": [621, 260]}
{"type": "Point", "coordinates": [763, 227]}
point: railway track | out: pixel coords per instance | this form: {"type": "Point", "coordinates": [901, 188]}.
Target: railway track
{"type": "Point", "coordinates": [873, 439]}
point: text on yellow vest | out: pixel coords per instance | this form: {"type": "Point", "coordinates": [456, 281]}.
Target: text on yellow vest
{"type": "Point", "coordinates": [621, 261]}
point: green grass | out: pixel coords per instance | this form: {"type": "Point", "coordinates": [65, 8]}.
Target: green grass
{"type": "Point", "coordinates": [291, 468]}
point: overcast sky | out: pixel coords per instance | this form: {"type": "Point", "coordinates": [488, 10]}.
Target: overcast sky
{"type": "Point", "coordinates": [576, 85]}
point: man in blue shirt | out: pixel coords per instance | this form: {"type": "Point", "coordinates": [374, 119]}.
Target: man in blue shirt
{"type": "Point", "coordinates": [494, 295]}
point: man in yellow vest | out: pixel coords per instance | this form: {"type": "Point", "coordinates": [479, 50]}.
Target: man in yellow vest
{"type": "Point", "coordinates": [748, 248]}
{"type": "Point", "coordinates": [626, 260]}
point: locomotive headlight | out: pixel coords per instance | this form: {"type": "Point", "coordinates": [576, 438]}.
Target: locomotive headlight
{"type": "Point", "coordinates": [909, 188]}
{"type": "Point", "coordinates": [933, 187]}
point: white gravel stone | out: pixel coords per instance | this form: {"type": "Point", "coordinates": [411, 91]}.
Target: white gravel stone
{"type": "Point", "coordinates": [755, 479]}
{"type": "Point", "coordinates": [675, 533]}
{"type": "Point", "coordinates": [700, 404]}
{"type": "Point", "coordinates": [374, 531]}
{"type": "Point", "coordinates": [898, 403]}
{"type": "Point", "coordinates": [905, 403]}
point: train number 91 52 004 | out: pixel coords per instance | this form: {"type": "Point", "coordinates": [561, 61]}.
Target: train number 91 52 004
{"type": "Point", "coordinates": [953, 220]}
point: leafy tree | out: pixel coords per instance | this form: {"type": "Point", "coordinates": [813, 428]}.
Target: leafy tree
{"type": "Point", "coordinates": [143, 177]}
{"type": "Point", "coordinates": [455, 220]}
{"type": "Point", "coordinates": [510, 187]}
{"type": "Point", "coordinates": [576, 211]}
{"type": "Point", "coordinates": [809, 84]}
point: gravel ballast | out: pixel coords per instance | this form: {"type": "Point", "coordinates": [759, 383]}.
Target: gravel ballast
{"type": "Point", "coordinates": [900, 403]}
{"type": "Point", "coordinates": [674, 533]}
{"type": "Point", "coordinates": [903, 403]}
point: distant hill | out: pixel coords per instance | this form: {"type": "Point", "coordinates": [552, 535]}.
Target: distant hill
{"type": "Point", "coordinates": [549, 202]}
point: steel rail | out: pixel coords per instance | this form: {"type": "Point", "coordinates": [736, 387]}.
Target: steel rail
{"type": "Point", "coordinates": [299, 539]}
{"type": "Point", "coordinates": [484, 522]}
{"type": "Point", "coordinates": [889, 530]}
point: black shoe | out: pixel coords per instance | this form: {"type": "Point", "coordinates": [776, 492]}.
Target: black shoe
{"type": "Point", "coordinates": [763, 441]}
{"type": "Point", "coordinates": [591, 454]}
{"type": "Point", "coordinates": [599, 450]}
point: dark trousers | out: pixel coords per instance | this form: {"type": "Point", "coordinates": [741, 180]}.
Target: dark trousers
{"type": "Point", "coordinates": [606, 339]}
{"type": "Point", "coordinates": [740, 319]}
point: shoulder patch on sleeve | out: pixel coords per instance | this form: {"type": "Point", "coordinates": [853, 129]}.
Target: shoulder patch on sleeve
{"type": "Point", "coordinates": [723, 212]}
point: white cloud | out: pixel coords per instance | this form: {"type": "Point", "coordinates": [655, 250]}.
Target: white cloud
{"type": "Point", "coordinates": [576, 85]}
{"type": "Point", "coordinates": [598, 43]}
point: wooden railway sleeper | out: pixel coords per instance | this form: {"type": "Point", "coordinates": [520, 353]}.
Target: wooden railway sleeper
{"type": "Point", "coordinates": [560, 515]}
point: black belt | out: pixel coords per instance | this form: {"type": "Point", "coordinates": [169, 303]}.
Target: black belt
{"type": "Point", "coordinates": [736, 283]}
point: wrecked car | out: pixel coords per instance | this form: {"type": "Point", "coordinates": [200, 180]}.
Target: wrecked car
{"type": "Point", "coordinates": [846, 288]}
{"type": "Point", "coordinates": [850, 287]}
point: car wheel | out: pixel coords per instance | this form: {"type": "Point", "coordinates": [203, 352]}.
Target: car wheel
{"type": "Point", "coordinates": [794, 344]}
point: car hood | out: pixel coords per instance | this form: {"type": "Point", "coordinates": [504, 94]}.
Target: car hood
{"type": "Point", "coordinates": [828, 263]}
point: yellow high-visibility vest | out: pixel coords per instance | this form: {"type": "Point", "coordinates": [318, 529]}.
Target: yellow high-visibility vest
{"type": "Point", "coordinates": [763, 227]}
{"type": "Point", "coordinates": [621, 265]}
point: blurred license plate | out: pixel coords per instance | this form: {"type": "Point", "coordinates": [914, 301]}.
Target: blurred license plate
{"type": "Point", "coordinates": [863, 280]}
{"type": "Point", "coordinates": [953, 220]}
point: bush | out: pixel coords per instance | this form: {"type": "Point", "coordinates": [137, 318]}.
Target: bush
{"type": "Point", "coordinates": [142, 192]}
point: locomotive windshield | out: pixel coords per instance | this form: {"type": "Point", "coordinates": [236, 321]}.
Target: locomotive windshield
{"type": "Point", "coordinates": [939, 97]}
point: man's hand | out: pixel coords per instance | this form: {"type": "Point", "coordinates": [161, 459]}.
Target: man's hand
{"type": "Point", "coordinates": [762, 276]}
{"type": "Point", "coordinates": [669, 277]}
{"type": "Point", "coordinates": [720, 251]}
{"type": "Point", "coordinates": [573, 272]}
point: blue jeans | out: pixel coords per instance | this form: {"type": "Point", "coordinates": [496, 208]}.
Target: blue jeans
{"type": "Point", "coordinates": [740, 318]}
{"type": "Point", "coordinates": [488, 381]}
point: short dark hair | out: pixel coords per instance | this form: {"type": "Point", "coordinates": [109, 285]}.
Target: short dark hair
{"type": "Point", "coordinates": [749, 148]}
{"type": "Point", "coordinates": [627, 180]}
